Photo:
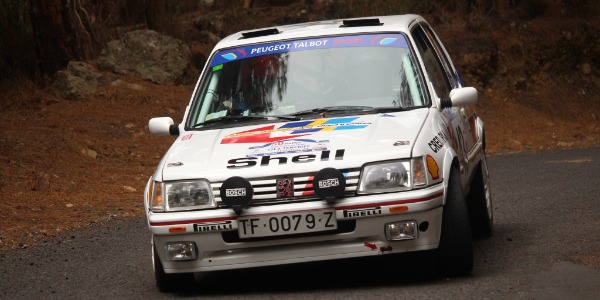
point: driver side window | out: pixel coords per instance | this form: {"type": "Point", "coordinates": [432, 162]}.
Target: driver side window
{"type": "Point", "coordinates": [433, 65]}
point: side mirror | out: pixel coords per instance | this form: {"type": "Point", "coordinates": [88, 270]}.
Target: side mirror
{"type": "Point", "coordinates": [460, 97]}
{"type": "Point", "coordinates": [162, 126]}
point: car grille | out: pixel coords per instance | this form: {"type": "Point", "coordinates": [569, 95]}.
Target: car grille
{"type": "Point", "coordinates": [266, 188]}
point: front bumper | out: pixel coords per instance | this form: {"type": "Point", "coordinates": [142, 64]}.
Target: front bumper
{"type": "Point", "coordinates": [212, 230]}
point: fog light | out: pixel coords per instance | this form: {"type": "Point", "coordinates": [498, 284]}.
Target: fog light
{"type": "Point", "coordinates": [404, 230]}
{"type": "Point", "coordinates": [181, 251]}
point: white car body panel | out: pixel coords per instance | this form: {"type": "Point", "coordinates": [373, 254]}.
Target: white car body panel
{"type": "Point", "coordinates": [202, 154]}
{"type": "Point", "coordinates": [262, 152]}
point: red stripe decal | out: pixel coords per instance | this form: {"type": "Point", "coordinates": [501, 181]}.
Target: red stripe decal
{"type": "Point", "coordinates": [191, 221]}
{"type": "Point", "coordinates": [391, 203]}
{"type": "Point", "coordinates": [337, 208]}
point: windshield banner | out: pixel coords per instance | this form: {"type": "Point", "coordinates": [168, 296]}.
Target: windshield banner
{"type": "Point", "coordinates": [374, 40]}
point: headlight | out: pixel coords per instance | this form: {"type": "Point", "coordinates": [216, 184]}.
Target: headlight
{"type": "Point", "coordinates": [392, 176]}
{"type": "Point", "coordinates": [182, 195]}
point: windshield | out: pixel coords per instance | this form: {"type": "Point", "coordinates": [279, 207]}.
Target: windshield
{"type": "Point", "coordinates": [290, 78]}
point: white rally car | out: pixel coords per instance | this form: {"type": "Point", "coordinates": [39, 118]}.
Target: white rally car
{"type": "Point", "coordinates": [320, 141]}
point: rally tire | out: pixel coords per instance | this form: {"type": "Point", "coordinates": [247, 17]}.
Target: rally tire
{"type": "Point", "coordinates": [168, 283]}
{"type": "Point", "coordinates": [454, 255]}
{"type": "Point", "coordinates": [479, 202]}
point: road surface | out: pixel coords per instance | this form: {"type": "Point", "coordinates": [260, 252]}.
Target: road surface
{"type": "Point", "coordinates": [546, 245]}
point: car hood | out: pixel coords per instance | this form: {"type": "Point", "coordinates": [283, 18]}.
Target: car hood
{"type": "Point", "coordinates": [292, 147]}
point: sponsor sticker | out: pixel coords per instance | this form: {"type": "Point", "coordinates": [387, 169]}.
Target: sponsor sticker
{"type": "Point", "coordinates": [288, 146]}
{"type": "Point", "coordinates": [433, 168]}
{"type": "Point", "coordinates": [293, 130]}
{"type": "Point", "coordinates": [239, 192]}
{"type": "Point", "coordinates": [367, 40]}
{"type": "Point", "coordinates": [365, 212]}
{"type": "Point", "coordinates": [213, 226]}
{"type": "Point", "coordinates": [437, 142]}
{"type": "Point", "coordinates": [327, 183]}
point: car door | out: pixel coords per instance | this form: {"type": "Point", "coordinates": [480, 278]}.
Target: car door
{"type": "Point", "coordinates": [444, 78]}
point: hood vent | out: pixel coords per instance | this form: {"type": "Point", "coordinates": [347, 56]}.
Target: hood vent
{"type": "Point", "coordinates": [257, 33]}
{"type": "Point", "coordinates": [361, 22]}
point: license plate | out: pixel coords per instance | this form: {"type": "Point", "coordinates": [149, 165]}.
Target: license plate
{"type": "Point", "coordinates": [287, 223]}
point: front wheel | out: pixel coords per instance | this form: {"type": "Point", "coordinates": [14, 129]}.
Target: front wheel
{"type": "Point", "coordinates": [169, 282]}
{"type": "Point", "coordinates": [455, 252]}
{"type": "Point", "coordinates": [480, 202]}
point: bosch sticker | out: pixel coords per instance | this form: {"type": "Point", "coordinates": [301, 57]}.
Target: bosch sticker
{"type": "Point", "coordinates": [239, 192]}
{"type": "Point", "coordinates": [327, 183]}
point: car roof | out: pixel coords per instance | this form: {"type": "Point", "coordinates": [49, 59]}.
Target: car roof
{"type": "Point", "coordinates": [396, 23]}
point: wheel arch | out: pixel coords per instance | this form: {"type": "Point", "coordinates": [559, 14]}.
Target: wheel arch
{"type": "Point", "coordinates": [450, 161]}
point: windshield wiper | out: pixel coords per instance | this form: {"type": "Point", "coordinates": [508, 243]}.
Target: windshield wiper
{"type": "Point", "coordinates": [351, 109]}
{"type": "Point", "coordinates": [393, 109]}
{"type": "Point", "coordinates": [281, 117]}
{"type": "Point", "coordinates": [236, 118]}
{"type": "Point", "coordinates": [334, 109]}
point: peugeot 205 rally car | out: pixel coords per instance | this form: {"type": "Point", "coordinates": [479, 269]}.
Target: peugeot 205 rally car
{"type": "Point", "coordinates": [320, 141]}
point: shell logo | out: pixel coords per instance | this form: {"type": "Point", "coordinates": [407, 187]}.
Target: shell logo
{"type": "Point", "coordinates": [433, 168]}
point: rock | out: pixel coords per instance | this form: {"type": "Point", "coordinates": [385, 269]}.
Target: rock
{"type": "Point", "coordinates": [85, 71]}
{"type": "Point", "coordinates": [564, 144]}
{"type": "Point", "coordinates": [44, 179]}
{"type": "Point", "coordinates": [586, 69]}
{"type": "Point", "coordinates": [77, 82]}
{"type": "Point", "coordinates": [135, 86]}
{"type": "Point", "coordinates": [129, 189]}
{"type": "Point", "coordinates": [89, 153]}
{"type": "Point", "coordinates": [520, 83]}
{"type": "Point", "coordinates": [147, 54]}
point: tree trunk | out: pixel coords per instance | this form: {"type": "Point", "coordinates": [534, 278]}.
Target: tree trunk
{"type": "Point", "coordinates": [62, 33]}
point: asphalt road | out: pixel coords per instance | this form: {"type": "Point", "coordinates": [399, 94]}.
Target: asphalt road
{"type": "Point", "coordinates": [546, 246]}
